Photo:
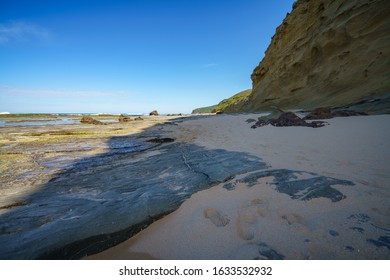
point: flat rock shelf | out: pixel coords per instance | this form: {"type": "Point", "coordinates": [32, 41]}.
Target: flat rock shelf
{"type": "Point", "coordinates": [109, 197]}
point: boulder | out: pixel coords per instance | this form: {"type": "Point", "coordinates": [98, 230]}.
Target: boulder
{"type": "Point", "coordinates": [289, 119]}
{"type": "Point", "coordinates": [153, 113]}
{"type": "Point", "coordinates": [319, 114]}
{"type": "Point", "coordinates": [123, 118]}
{"type": "Point", "coordinates": [90, 120]}
{"type": "Point", "coordinates": [279, 118]}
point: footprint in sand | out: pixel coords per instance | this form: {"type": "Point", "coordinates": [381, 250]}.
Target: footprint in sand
{"type": "Point", "coordinates": [248, 216]}
{"type": "Point", "coordinates": [246, 222]}
{"type": "Point", "coordinates": [261, 206]}
{"type": "Point", "coordinates": [245, 225]}
{"type": "Point", "coordinates": [290, 218]}
{"type": "Point", "coordinates": [216, 217]}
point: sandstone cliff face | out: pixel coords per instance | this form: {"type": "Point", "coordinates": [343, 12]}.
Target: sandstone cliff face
{"type": "Point", "coordinates": [325, 53]}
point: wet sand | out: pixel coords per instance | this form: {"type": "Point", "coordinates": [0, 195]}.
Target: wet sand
{"type": "Point", "coordinates": [325, 195]}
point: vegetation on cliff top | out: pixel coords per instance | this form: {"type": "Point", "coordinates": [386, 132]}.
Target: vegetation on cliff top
{"type": "Point", "coordinates": [224, 104]}
{"type": "Point", "coordinates": [204, 110]}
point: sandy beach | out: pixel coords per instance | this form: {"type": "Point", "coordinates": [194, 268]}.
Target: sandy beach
{"type": "Point", "coordinates": [196, 187]}
{"type": "Point", "coordinates": [323, 195]}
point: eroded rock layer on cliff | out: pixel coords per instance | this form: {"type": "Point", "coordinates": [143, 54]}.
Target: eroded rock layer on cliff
{"type": "Point", "coordinates": [325, 53]}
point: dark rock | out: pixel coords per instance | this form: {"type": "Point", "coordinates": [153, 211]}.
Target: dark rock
{"type": "Point", "coordinates": [250, 120]}
{"type": "Point", "coordinates": [349, 248]}
{"type": "Point", "coordinates": [358, 229]}
{"type": "Point", "coordinates": [327, 113]}
{"type": "Point", "coordinates": [319, 114]}
{"type": "Point", "coordinates": [153, 113]}
{"type": "Point", "coordinates": [285, 119]}
{"type": "Point", "coordinates": [123, 118]}
{"type": "Point", "coordinates": [382, 241]}
{"type": "Point", "coordinates": [90, 120]}
{"type": "Point", "coordinates": [289, 119]}
{"type": "Point", "coordinates": [360, 218]}
{"type": "Point", "coordinates": [161, 140]}
{"type": "Point", "coordinates": [286, 181]}
{"type": "Point", "coordinates": [268, 253]}
{"type": "Point", "coordinates": [138, 119]}
{"type": "Point", "coordinates": [347, 113]}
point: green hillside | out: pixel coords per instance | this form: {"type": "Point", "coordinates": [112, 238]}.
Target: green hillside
{"type": "Point", "coordinates": [224, 105]}
{"type": "Point", "coordinates": [204, 110]}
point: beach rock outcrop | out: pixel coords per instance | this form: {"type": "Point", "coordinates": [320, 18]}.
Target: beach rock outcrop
{"type": "Point", "coordinates": [347, 113]}
{"type": "Point", "coordinates": [104, 199]}
{"type": "Point", "coordinates": [319, 114]}
{"type": "Point", "coordinates": [324, 54]}
{"type": "Point", "coordinates": [279, 118]}
{"type": "Point", "coordinates": [327, 113]}
{"type": "Point", "coordinates": [123, 119]}
{"type": "Point", "coordinates": [90, 120]}
{"type": "Point", "coordinates": [153, 113]}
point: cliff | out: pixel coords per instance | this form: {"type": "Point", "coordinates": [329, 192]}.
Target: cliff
{"type": "Point", "coordinates": [326, 53]}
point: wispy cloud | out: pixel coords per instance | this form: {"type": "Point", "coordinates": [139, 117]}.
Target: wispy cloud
{"type": "Point", "coordinates": [57, 93]}
{"type": "Point", "coordinates": [21, 31]}
{"type": "Point", "coordinates": [209, 65]}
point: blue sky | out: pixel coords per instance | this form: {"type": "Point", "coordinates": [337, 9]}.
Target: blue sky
{"type": "Point", "coordinates": [130, 56]}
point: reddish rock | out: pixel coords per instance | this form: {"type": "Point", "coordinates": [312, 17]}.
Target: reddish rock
{"type": "Point", "coordinates": [286, 119]}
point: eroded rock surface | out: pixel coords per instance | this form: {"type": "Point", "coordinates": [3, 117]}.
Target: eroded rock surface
{"type": "Point", "coordinates": [297, 184]}
{"type": "Point", "coordinates": [108, 197]}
